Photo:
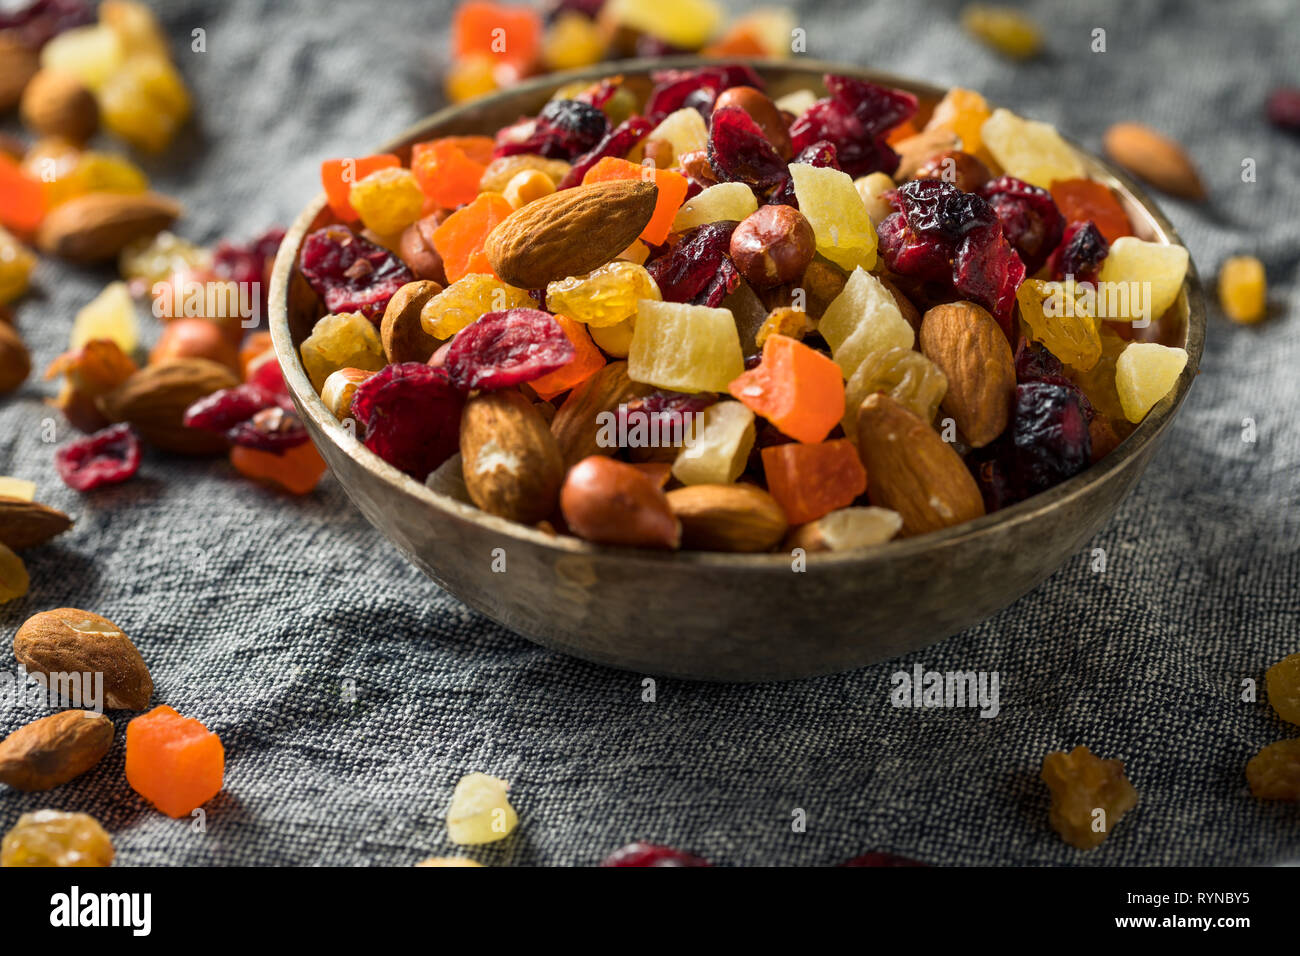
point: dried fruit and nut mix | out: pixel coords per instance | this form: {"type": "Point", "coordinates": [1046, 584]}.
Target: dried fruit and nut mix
{"type": "Point", "coordinates": [832, 318]}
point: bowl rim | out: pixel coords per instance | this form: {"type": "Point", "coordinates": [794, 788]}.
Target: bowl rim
{"type": "Point", "coordinates": [1144, 435]}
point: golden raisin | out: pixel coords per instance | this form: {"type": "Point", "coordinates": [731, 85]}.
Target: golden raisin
{"type": "Point", "coordinates": [1283, 683]}
{"type": "Point", "coordinates": [54, 838]}
{"type": "Point", "coordinates": [1274, 772]}
{"type": "Point", "coordinates": [1089, 795]}
{"type": "Point", "coordinates": [1243, 289]}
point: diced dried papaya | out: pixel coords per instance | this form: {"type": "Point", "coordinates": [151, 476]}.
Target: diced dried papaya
{"type": "Point", "coordinates": [449, 169]}
{"type": "Point", "coordinates": [587, 361]}
{"type": "Point", "coordinates": [174, 762]}
{"type": "Point", "coordinates": [796, 388]}
{"type": "Point", "coordinates": [459, 240]}
{"type": "Point", "coordinates": [22, 198]}
{"type": "Point", "coordinates": [338, 175]}
{"type": "Point", "coordinates": [672, 191]}
{"type": "Point", "coordinates": [1081, 200]}
{"type": "Point", "coordinates": [512, 34]}
{"type": "Point", "coordinates": [809, 481]}
{"type": "Point", "coordinates": [297, 471]}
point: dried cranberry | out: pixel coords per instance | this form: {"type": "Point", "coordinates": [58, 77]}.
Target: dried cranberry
{"type": "Point", "coordinates": [42, 20]}
{"type": "Point", "coordinates": [689, 268]}
{"type": "Point", "coordinates": [564, 129]}
{"type": "Point", "coordinates": [908, 254]}
{"type": "Point", "coordinates": [1284, 108]}
{"type": "Point", "coordinates": [933, 207]}
{"type": "Point", "coordinates": [821, 154]}
{"type": "Point", "coordinates": [503, 349]}
{"type": "Point", "coordinates": [720, 285]}
{"type": "Point", "coordinates": [988, 271]}
{"type": "Point", "coordinates": [267, 374]}
{"type": "Point", "coordinates": [1080, 254]}
{"type": "Point", "coordinates": [674, 87]}
{"type": "Point", "coordinates": [879, 107]}
{"type": "Point", "coordinates": [273, 430]}
{"type": "Point", "coordinates": [350, 273]}
{"type": "Point", "coordinates": [104, 458]}
{"type": "Point", "coordinates": [1030, 220]}
{"type": "Point", "coordinates": [409, 415]}
{"type": "Point", "coordinates": [855, 118]}
{"type": "Point", "coordinates": [618, 143]}
{"type": "Point", "coordinates": [1034, 363]}
{"type": "Point", "coordinates": [250, 262]}
{"type": "Point", "coordinates": [223, 410]}
{"type": "Point", "coordinates": [739, 152]}
{"type": "Point", "coordinates": [1049, 429]}
{"type": "Point", "coordinates": [878, 858]}
{"type": "Point", "coordinates": [662, 413]}
{"type": "Point", "coordinates": [598, 94]}
{"type": "Point", "coordinates": [652, 854]}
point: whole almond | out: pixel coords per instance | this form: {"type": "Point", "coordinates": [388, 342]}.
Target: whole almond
{"type": "Point", "coordinates": [612, 502]}
{"type": "Point", "coordinates": [155, 398]}
{"type": "Point", "coordinates": [59, 104]}
{"type": "Point", "coordinates": [97, 226]}
{"type": "Point", "coordinates": [570, 232]}
{"type": "Point", "coordinates": [577, 423]}
{"type": "Point", "coordinates": [1154, 157]}
{"type": "Point", "coordinates": [53, 750]}
{"type": "Point", "coordinates": [401, 331]}
{"type": "Point", "coordinates": [26, 524]}
{"type": "Point", "coordinates": [914, 151]}
{"type": "Point", "coordinates": [18, 64]}
{"type": "Point", "coordinates": [971, 349]}
{"type": "Point", "coordinates": [15, 359]}
{"type": "Point", "coordinates": [67, 640]}
{"type": "Point", "coordinates": [740, 518]}
{"type": "Point", "coordinates": [509, 459]}
{"type": "Point", "coordinates": [913, 471]}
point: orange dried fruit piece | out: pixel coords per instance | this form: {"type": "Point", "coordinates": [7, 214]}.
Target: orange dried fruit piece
{"type": "Point", "coordinates": [510, 34]}
{"type": "Point", "coordinates": [587, 361]}
{"type": "Point", "coordinates": [338, 175]}
{"type": "Point", "coordinates": [796, 388]}
{"type": "Point", "coordinates": [1089, 795]}
{"type": "Point", "coordinates": [174, 762]}
{"type": "Point", "coordinates": [297, 471]}
{"type": "Point", "coordinates": [22, 198]}
{"type": "Point", "coordinates": [672, 191]}
{"type": "Point", "coordinates": [1083, 200]}
{"type": "Point", "coordinates": [449, 169]}
{"type": "Point", "coordinates": [459, 240]}
{"type": "Point", "coordinates": [809, 481]}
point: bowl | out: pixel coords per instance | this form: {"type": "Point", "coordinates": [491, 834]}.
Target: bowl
{"type": "Point", "coordinates": [713, 616]}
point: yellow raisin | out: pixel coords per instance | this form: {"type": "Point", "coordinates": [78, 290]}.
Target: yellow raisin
{"type": "Point", "coordinates": [1283, 683]}
{"type": "Point", "coordinates": [1005, 29]}
{"type": "Point", "coordinates": [906, 376]}
{"type": "Point", "coordinates": [54, 838]}
{"type": "Point", "coordinates": [1061, 321]}
{"type": "Point", "coordinates": [1274, 772]}
{"type": "Point", "coordinates": [1089, 795]}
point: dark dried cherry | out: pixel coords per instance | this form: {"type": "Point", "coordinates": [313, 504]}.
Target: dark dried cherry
{"type": "Point", "coordinates": [104, 458]}
{"type": "Point", "coordinates": [1030, 220]}
{"type": "Point", "coordinates": [351, 273]}
{"type": "Point", "coordinates": [504, 349]}
{"type": "Point", "coordinates": [739, 152]}
{"type": "Point", "coordinates": [1082, 250]}
{"type": "Point", "coordinates": [652, 854]}
{"type": "Point", "coordinates": [695, 265]}
{"type": "Point", "coordinates": [409, 415]}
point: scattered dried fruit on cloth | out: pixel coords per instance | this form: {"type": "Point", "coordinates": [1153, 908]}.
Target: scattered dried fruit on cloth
{"type": "Point", "coordinates": [69, 640]}
{"type": "Point", "coordinates": [1154, 157]}
{"type": "Point", "coordinates": [1282, 681]}
{"type": "Point", "coordinates": [479, 811]}
{"type": "Point", "coordinates": [1089, 796]}
{"type": "Point", "coordinates": [25, 523]}
{"type": "Point", "coordinates": [14, 580]}
{"type": "Point", "coordinates": [1274, 772]}
{"type": "Point", "coordinates": [1005, 29]}
{"type": "Point", "coordinates": [107, 457]}
{"type": "Point", "coordinates": [174, 762]}
{"type": "Point", "coordinates": [1243, 289]}
{"type": "Point", "coordinates": [652, 854]}
{"type": "Point", "coordinates": [155, 399]}
{"type": "Point", "coordinates": [55, 838]}
{"type": "Point", "coordinates": [51, 751]}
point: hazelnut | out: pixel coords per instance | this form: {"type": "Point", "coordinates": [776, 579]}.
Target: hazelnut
{"type": "Point", "coordinates": [762, 111]}
{"type": "Point", "coordinates": [190, 338]}
{"type": "Point", "coordinates": [612, 502]}
{"type": "Point", "coordinates": [956, 167]}
{"type": "Point", "coordinates": [417, 251]}
{"type": "Point", "coordinates": [58, 104]}
{"type": "Point", "coordinates": [773, 245]}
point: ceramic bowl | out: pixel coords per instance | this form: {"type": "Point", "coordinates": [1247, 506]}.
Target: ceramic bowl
{"type": "Point", "coordinates": [714, 616]}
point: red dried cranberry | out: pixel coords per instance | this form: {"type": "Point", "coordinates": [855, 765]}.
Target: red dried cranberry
{"type": "Point", "coordinates": [1049, 429]}
{"type": "Point", "coordinates": [1030, 220]}
{"type": "Point", "coordinates": [273, 430]}
{"type": "Point", "coordinates": [503, 349]}
{"type": "Point", "coordinates": [908, 254]}
{"type": "Point", "coordinates": [104, 458]}
{"type": "Point", "coordinates": [674, 87]}
{"type": "Point", "coordinates": [598, 94]}
{"type": "Point", "coordinates": [652, 854]}
{"type": "Point", "coordinates": [821, 154]}
{"type": "Point", "coordinates": [1035, 364]}
{"type": "Point", "coordinates": [739, 152]}
{"type": "Point", "coordinates": [267, 374]}
{"type": "Point", "coordinates": [662, 413]}
{"type": "Point", "coordinates": [855, 118]}
{"type": "Point", "coordinates": [878, 858]}
{"type": "Point", "coordinates": [689, 268]}
{"type": "Point", "coordinates": [250, 262]}
{"type": "Point", "coordinates": [350, 273]}
{"type": "Point", "coordinates": [223, 410]}
{"type": "Point", "coordinates": [409, 415]}
{"type": "Point", "coordinates": [618, 143]}
{"type": "Point", "coordinates": [1284, 108]}
{"type": "Point", "coordinates": [564, 129]}
{"type": "Point", "coordinates": [988, 271]}
{"type": "Point", "coordinates": [879, 107]}
{"type": "Point", "coordinates": [42, 20]}
{"type": "Point", "coordinates": [1082, 250]}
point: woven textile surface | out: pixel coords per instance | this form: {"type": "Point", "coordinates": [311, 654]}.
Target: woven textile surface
{"type": "Point", "coordinates": [261, 615]}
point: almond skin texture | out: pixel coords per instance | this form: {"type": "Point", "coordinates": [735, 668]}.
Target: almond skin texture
{"type": "Point", "coordinates": [53, 750]}
{"type": "Point", "coordinates": [26, 524]}
{"type": "Point", "coordinates": [58, 104]}
{"type": "Point", "coordinates": [402, 333]}
{"type": "Point", "coordinates": [69, 640]}
{"type": "Point", "coordinates": [575, 424]}
{"type": "Point", "coordinates": [612, 502]}
{"type": "Point", "coordinates": [155, 398]}
{"type": "Point", "coordinates": [509, 459]}
{"type": "Point", "coordinates": [970, 348]}
{"type": "Point", "coordinates": [913, 471]}
{"type": "Point", "coordinates": [95, 227]}
{"type": "Point", "coordinates": [1154, 157]}
{"type": "Point", "coordinates": [570, 232]}
{"type": "Point", "coordinates": [739, 518]}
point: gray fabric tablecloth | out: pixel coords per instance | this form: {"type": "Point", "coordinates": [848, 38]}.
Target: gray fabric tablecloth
{"type": "Point", "coordinates": [254, 611]}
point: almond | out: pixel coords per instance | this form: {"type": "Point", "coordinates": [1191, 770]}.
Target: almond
{"type": "Point", "coordinates": [915, 150]}
{"type": "Point", "coordinates": [913, 471]}
{"type": "Point", "coordinates": [570, 232]}
{"type": "Point", "coordinates": [15, 359]}
{"type": "Point", "coordinates": [51, 751]}
{"type": "Point", "coordinates": [509, 459]}
{"type": "Point", "coordinates": [401, 331]}
{"type": "Point", "coordinates": [742, 518]}
{"type": "Point", "coordinates": [68, 640]}
{"type": "Point", "coordinates": [58, 104]}
{"type": "Point", "coordinates": [1154, 157]}
{"type": "Point", "coordinates": [155, 398]}
{"type": "Point", "coordinates": [576, 425]}
{"type": "Point", "coordinates": [18, 64]}
{"type": "Point", "coordinates": [970, 348]}
{"type": "Point", "coordinates": [26, 524]}
{"type": "Point", "coordinates": [612, 502]}
{"type": "Point", "coordinates": [95, 227]}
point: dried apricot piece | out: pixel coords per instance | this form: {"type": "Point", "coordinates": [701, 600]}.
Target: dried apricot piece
{"type": "Point", "coordinates": [338, 175]}
{"type": "Point", "coordinates": [504, 33]}
{"type": "Point", "coordinates": [796, 388]}
{"type": "Point", "coordinates": [449, 169]}
{"type": "Point", "coordinates": [1084, 200]}
{"type": "Point", "coordinates": [174, 762]}
{"type": "Point", "coordinates": [1283, 683]}
{"type": "Point", "coordinates": [587, 361]}
{"type": "Point", "coordinates": [297, 470]}
{"type": "Point", "coordinates": [459, 240]}
{"type": "Point", "coordinates": [1089, 795]}
{"type": "Point", "coordinates": [1274, 772]}
{"type": "Point", "coordinates": [809, 481]}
